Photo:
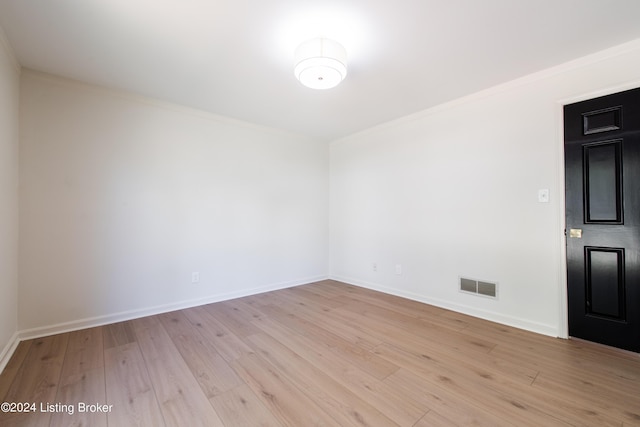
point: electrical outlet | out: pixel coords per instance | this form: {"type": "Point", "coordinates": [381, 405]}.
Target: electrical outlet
{"type": "Point", "coordinates": [398, 269]}
{"type": "Point", "coordinates": [195, 277]}
{"type": "Point", "coordinates": [374, 266]}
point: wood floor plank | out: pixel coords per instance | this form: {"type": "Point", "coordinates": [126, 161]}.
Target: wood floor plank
{"type": "Point", "coordinates": [129, 389]}
{"type": "Point", "coordinates": [365, 359]}
{"type": "Point", "coordinates": [323, 316]}
{"type": "Point", "coordinates": [25, 420]}
{"type": "Point", "coordinates": [433, 419]}
{"type": "Point", "coordinates": [13, 367]}
{"type": "Point", "coordinates": [401, 305]}
{"type": "Point", "coordinates": [82, 381]}
{"type": "Point", "coordinates": [291, 407]}
{"type": "Point", "coordinates": [81, 393]}
{"type": "Point", "coordinates": [446, 402]}
{"type": "Point", "coordinates": [343, 405]}
{"type": "Point", "coordinates": [567, 408]}
{"type": "Point", "coordinates": [345, 331]}
{"type": "Point", "coordinates": [321, 289]}
{"type": "Point", "coordinates": [262, 299]}
{"type": "Point", "coordinates": [404, 410]}
{"type": "Point", "coordinates": [118, 334]}
{"type": "Point", "coordinates": [179, 395]}
{"type": "Point", "coordinates": [85, 352]}
{"type": "Point", "coordinates": [299, 301]}
{"type": "Point", "coordinates": [226, 342]}
{"type": "Point", "coordinates": [619, 405]}
{"type": "Point", "coordinates": [241, 407]}
{"type": "Point", "coordinates": [607, 374]}
{"type": "Point", "coordinates": [405, 307]}
{"type": "Point", "coordinates": [210, 369]}
{"type": "Point", "coordinates": [37, 380]}
{"type": "Point", "coordinates": [459, 341]}
{"type": "Point", "coordinates": [232, 317]}
{"type": "Point", "coordinates": [548, 351]}
{"type": "Point", "coordinates": [505, 398]}
{"type": "Point", "coordinates": [246, 311]}
{"type": "Point", "coordinates": [480, 364]}
{"type": "Point", "coordinates": [303, 293]}
{"type": "Point", "coordinates": [389, 332]}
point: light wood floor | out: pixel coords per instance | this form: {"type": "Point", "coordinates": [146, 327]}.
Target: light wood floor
{"type": "Point", "coordinates": [325, 354]}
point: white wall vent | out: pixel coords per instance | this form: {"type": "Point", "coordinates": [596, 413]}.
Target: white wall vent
{"type": "Point", "coordinates": [478, 287]}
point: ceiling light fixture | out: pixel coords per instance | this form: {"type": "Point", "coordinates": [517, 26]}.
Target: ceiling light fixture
{"type": "Point", "coordinates": [320, 63]}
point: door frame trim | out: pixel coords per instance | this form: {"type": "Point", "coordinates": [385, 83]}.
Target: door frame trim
{"type": "Point", "coordinates": [563, 327]}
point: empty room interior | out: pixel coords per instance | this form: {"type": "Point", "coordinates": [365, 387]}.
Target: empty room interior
{"type": "Point", "coordinates": [319, 213]}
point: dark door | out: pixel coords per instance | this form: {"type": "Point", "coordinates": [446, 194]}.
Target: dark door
{"type": "Point", "coordinates": [602, 169]}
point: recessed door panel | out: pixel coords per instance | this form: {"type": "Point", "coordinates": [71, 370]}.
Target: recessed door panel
{"type": "Point", "coordinates": [602, 179]}
{"type": "Point", "coordinates": [604, 120]}
{"type": "Point", "coordinates": [605, 283]}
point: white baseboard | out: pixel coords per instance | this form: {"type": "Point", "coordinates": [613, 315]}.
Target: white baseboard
{"type": "Point", "coordinates": [8, 351]}
{"type": "Point", "coordinates": [150, 311]}
{"type": "Point", "coordinates": [516, 322]}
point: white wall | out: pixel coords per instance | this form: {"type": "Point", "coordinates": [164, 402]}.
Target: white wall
{"type": "Point", "coordinates": [123, 197]}
{"type": "Point", "coordinates": [9, 107]}
{"type": "Point", "coordinates": [452, 192]}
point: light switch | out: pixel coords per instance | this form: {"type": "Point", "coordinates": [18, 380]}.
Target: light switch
{"type": "Point", "coordinates": [543, 195]}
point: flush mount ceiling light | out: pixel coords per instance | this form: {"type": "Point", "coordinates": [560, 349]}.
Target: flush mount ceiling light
{"type": "Point", "coordinates": [320, 63]}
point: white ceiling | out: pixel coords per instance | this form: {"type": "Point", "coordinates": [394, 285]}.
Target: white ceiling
{"type": "Point", "coordinates": [235, 57]}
